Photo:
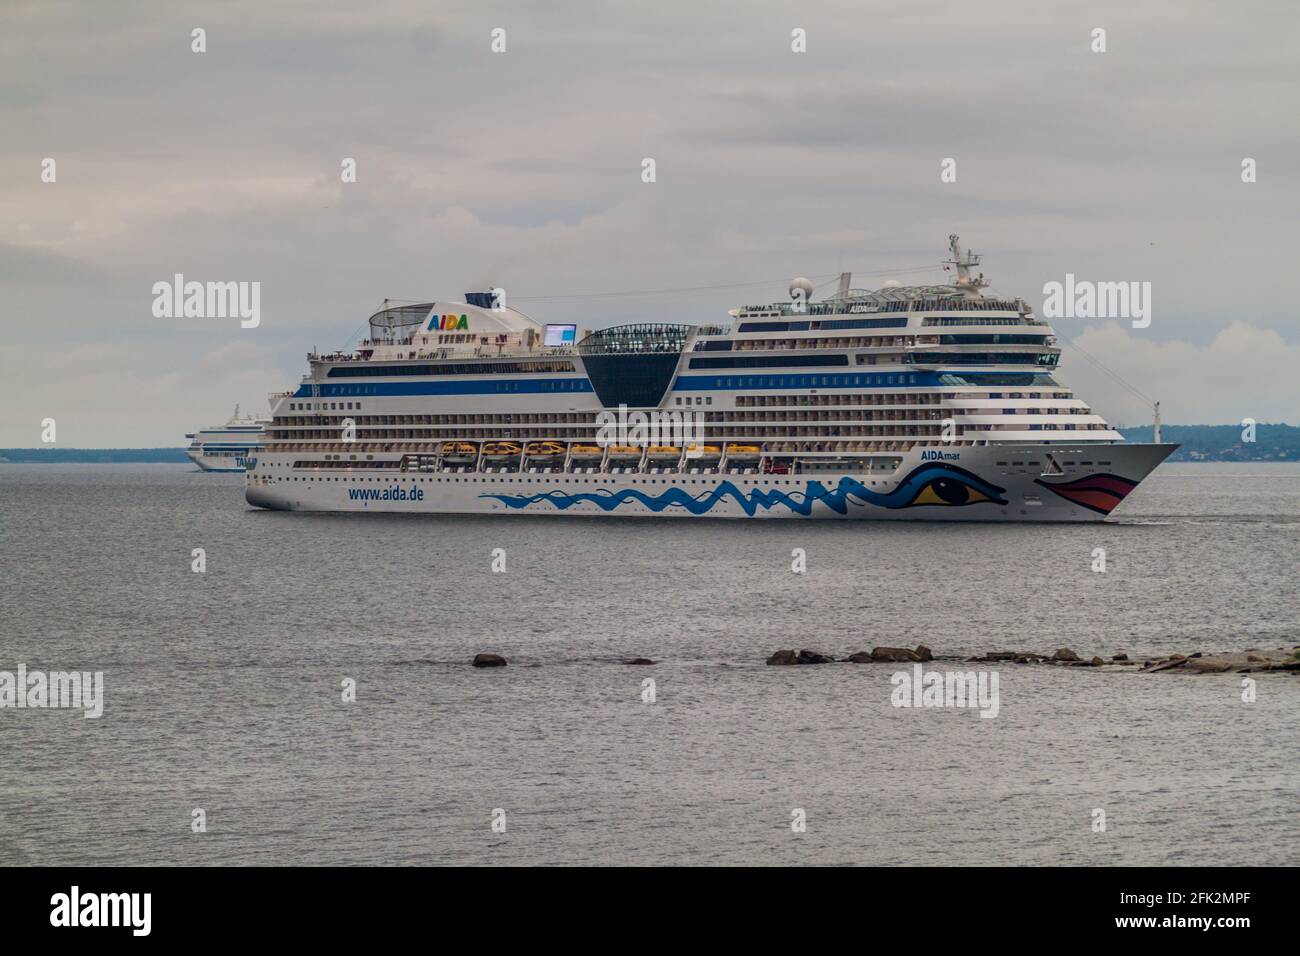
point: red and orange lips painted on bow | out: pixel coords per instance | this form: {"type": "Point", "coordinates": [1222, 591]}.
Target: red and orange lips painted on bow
{"type": "Point", "coordinates": [1100, 493]}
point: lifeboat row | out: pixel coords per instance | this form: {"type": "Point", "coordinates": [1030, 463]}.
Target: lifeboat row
{"type": "Point", "coordinates": [459, 452]}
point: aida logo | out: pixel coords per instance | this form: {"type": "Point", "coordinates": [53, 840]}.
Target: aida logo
{"type": "Point", "coordinates": [448, 322]}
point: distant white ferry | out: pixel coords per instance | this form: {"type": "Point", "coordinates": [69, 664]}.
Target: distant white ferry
{"type": "Point", "coordinates": [227, 447]}
{"type": "Point", "coordinates": [926, 402]}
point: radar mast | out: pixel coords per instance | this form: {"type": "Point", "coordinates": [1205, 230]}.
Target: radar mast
{"type": "Point", "coordinates": [964, 261]}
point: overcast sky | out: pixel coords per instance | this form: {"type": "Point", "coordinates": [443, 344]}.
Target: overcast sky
{"type": "Point", "coordinates": [523, 169]}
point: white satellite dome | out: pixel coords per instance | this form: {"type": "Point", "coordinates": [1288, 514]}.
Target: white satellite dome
{"type": "Point", "coordinates": [803, 285]}
{"type": "Point", "coordinates": [892, 284]}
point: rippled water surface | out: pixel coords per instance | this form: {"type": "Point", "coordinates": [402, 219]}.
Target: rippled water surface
{"type": "Point", "coordinates": [223, 688]}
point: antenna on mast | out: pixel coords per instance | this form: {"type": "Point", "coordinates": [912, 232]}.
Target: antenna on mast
{"type": "Point", "coordinates": [1156, 436]}
{"type": "Point", "coordinates": [964, 261]}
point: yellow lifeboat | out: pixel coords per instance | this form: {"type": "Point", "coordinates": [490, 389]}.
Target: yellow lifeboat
{"type": "Point", "coordinates": [500, 449]}
{"type": "Point", "coordinates": [664, 452]}
{"type": "Point", "coordinates": [544, 449]}
{"type": "Point", "coordinates": [587, 451]}
{"type": "Point", "coordinates": [703, 451]}
{"type": "Point", "coordinates": [458, 451]}
{"type": "Point", "coordinates": [743, 451]}
{"type": "Point", "coordinates": [624, 451]}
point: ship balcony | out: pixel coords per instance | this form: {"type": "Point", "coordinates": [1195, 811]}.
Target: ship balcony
{"type": "Point", "coordinates": [1052, 433]}
{"type": "Point", "coordinates": [1007, 400]}
{"type": "Point", "coordinates": [1013, 421]}
{"type": "Point", "coordinates": [999, 362]}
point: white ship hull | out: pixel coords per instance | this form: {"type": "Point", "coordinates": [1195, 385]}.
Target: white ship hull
{"type": "Point", "coordinates": [909, 402]}
{"type": "Point", "coordinates": [215, 462]}
{"type": "Point", "coordinates": [982, 483]}
{"type": "Point", "coordinates": [226, 447]}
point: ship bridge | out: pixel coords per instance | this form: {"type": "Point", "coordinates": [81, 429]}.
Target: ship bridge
{"type": "Point", "coordinates": [633, 365]}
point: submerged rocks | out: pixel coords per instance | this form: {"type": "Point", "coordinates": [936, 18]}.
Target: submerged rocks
{"type": "Point", "coordinates": [1199, 662]}
{"type": "Point", "coordinates": [489, 660]}
{"type": "Point", "coordinates": [1243, 662]}
{"type": "Point", "coordinates": [812, 657]}
{"type": "Point", "coordinates": [894, 654]}
{"type": "Point", "coordinates": [639, 660]}
{"type": "Point", "coordinates": [804, 656]}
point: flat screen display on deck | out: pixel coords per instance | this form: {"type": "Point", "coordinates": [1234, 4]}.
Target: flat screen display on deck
{"type": "Point", "coordinates": [558, 335]}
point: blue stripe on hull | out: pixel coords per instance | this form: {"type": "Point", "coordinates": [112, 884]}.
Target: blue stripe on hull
{"type": "Point", "coordinates": [944, 485]}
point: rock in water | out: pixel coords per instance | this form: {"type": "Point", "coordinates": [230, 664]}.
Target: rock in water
{"type": "Point", "coordinates": [923, 653]}
{"type": "Point", "coordinates": [489, 660]}
{"type": "Point", "coordinates": [639, 660]}
{"type": "Point", "coordinates": [812, 657]}
{"type": "Point", "coordinates": [861, 657]}
{"type": "Point", "coordinates": [1065, 654]}
{"type": "Point", "coordinates": [895, 654]}
{"type": "Point", "coordinates": [784, 657]}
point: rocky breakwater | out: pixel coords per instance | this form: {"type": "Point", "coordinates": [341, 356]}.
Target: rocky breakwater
{"type": "Point", "coordinates": [875, 655]}
{"type": "Point", "coordinates": [1241, 662]}
{"type": "Point", "coordinates": [1222, 662]}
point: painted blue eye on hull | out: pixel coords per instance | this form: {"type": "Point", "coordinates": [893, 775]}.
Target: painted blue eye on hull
{"type": "Point", "coordinates": [943, 485]}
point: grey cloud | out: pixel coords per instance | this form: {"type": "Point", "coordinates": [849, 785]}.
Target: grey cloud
{"type": "Point", "coordinates": [524, 169]}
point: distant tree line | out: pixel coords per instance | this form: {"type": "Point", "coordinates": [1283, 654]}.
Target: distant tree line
{"type": "Point", "coordinates": [81, 455]}
{"type": "Point", "coordinates": [1225, 442]}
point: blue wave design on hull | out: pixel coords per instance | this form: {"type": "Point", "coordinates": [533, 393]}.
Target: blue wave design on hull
{"type": "Point", "coordinates": [838, 498]}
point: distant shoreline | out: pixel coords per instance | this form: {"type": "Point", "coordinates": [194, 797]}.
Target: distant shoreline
{"type": "Point", "coordinates": [92, 456]}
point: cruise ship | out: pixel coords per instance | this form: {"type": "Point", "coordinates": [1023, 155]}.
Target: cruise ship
{"type": "Point", "coordinates": [935, 402]}
{"type": "Point", "coordinates": [226, 447]}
